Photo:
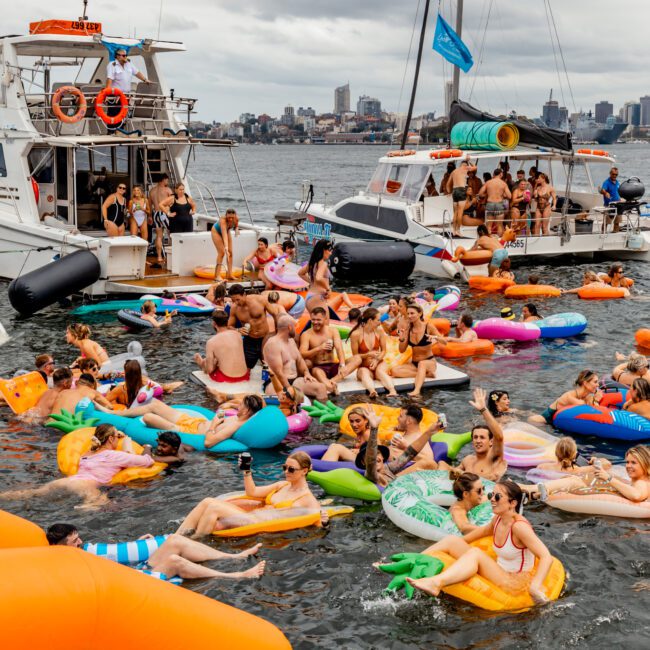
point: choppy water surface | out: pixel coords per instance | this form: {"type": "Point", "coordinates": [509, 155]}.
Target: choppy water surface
{"type": "Point", "coordinates": [320, 588]}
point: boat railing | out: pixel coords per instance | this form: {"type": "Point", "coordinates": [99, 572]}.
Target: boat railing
{"type": "Point", "coordinates": [150, 113]}
{"type": "Point", "coordinates": [205, 196]}
{"type": "Point", "coordinates": [8, 201]}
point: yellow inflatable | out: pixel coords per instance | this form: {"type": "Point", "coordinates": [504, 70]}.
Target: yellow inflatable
{"type": "Point", "coordinates": [275, 525]}
{"type": "Point", "coordinates": [388, 422]}
{"type": "Point", "coordinates": [23, 392]}
{"type": "Point", "coordinates": [58, 597]}
{"type": "Point", "coordinates": [482, 593]}
{"type": "Point", "coordinates": [76, 443]}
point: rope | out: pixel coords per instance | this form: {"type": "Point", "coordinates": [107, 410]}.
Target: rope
{"type": "Point", "coordinates": [557, 67]}
{"type": "Point", "coordinates": [559, 45]}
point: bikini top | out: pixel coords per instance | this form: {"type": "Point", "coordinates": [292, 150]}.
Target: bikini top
{"type": "Point", "coordinates": [363, 348]}
{"type": "Point", "coordinates": [424, 341]}
{"type": "Point", "coordinates": [287, 503]}
{"type": "Point", "coordinates": [261, 261]}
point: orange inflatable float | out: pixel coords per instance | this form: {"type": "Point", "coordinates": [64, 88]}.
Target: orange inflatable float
{"type": "Point", "coordinates": [400, 153]}
{"type": "Point", "coordinates": [335, 301]}
{"type": "Point", "coordinates": [388, 424]}
{"type": "Point", "coordinates": [602, 293]}
{"type": "Point", "coordinates": [441, 154]}
{"type": "Point", "coordinates": [443, 325]}
{"type": "Point", "coordinates": [58, 597]}
{"type": "Point", "coordinates": [492, 285]}
{"type": "Point", "coordinates": [473, 258]}
{"type": "Point", "coordinates": [642, 338]}
{"type": "Point", "coordinates": [207, 272]}
{"type": "Point", "coordinates": [532, 291]}
{"type": "Point", "coordinates": [23, 392]}
{"type": "Point", "coordinates": [458, 350]}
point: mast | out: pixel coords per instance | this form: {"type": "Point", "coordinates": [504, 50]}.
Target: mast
{"type": "Point", "coordinates": [405, 135]}
{"type": "Point", "coordinates": [459, 29]}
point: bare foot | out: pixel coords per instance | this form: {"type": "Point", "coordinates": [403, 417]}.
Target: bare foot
{"type": "Point", "coordinates": [414, 393]}
{"type": "Point", "coordinates": [172, 386]}
{"type": "Point", "coordinates": [250, 551]}
{"type": "Point", "coordinates": [218, 395]}
{"type": "Point", "coordinates": [642, 585]}
{"type": "Point", "coordinates": [254, 572]}
{"type": "Point", "coordinates": [429, 586]}
{"type": "Point", "coordinates": [372, 394]}
{"type": "Point", "coordinates": [538, 596]}
{"type": "Point", "coordinates": [393, 394]}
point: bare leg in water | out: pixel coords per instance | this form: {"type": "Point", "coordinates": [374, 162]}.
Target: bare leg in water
{"type": "Point", "coordinates": [88, 490]}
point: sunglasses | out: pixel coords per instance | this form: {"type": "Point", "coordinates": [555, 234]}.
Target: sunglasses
{"type": "Point", "coordinates": [481, 490]}
{"type": "Point", "coordinates": [121, 187]}
{"type": "Point", "coordinates": [289, 470]}
{"type": "Point", "coordinates": [494, 496]}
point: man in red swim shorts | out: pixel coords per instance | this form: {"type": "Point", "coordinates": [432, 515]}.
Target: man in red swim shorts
{"type": "Point", "coordinates": [224, 353]}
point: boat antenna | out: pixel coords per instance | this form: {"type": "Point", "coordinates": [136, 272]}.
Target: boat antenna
{"type": "Point", "coordinates": [409, 115]}
{"type": "Point", "coordinates": [159, 19]}
{"type": "Point", "coordinates": [84, 15]}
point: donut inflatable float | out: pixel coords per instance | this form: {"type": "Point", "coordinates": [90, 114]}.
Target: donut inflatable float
{"type": "Point", "coordinates": [532, 291]}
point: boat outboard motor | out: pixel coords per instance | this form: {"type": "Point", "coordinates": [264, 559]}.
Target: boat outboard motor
{"type": "Point", "coordinates": [53, 282]}
{"type": "Point", "coordinates": [355, 261]}
{"type": "Point", "coordinates": [632, 189]}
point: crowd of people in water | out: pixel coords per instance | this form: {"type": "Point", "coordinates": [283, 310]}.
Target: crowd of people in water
{"type": "Point", "coordinates": [252, 328]}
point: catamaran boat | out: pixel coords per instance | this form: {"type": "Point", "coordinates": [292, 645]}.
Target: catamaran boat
{"type": "Point", "coordinates": [394, 207]}
{"type": "Point", "coordinates": [52, 153]}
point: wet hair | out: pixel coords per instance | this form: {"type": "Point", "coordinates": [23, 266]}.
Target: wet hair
{"type": "Point", "coordinates": [102, 433]}
{"type": "Point", "coordinates": [532, 308]}
{"type": "Point", "coordinates": [415, 307]}
{"type": "Point", "coordinates": [253, 403]}
{"type": "Point", "coordinates": [264, 240]}
{"type": "Point", "coordinates": [493, 398]}
{"type": "Point", "coordinates": [220, 291]}
{"type": "Point", "coordinates": [273, 297]}
{"type": "Point", "coordinates": [287, 244]}
{"type": "Point", "coordinates": [318, 311]}
{"type": "Point", "coordinates": [591, 276]}
{"type": "Point", "coordinates": [302, 458]}
{"type": "Point", "coordinates": [584, 376]}
{"type": "Point", "coordinates": [61, 375]}
{"type": "Point", "coordinates": [566, 451]}
{"type": "Point", "coordinates": [367, 315]}
{"type": "Point", "coordinates": [431, 290]}
{"type": "Point", "coordinates": [482, 426]}
{"type": "Point", "coordinates": [514, 493]}
{"type": "Point", "coordinates": [88, 364]}
{"type": "Point", "coordinates": [58, 533]}
{"type": "Point", "coordinates": [614, 268]}
{"type": "Point", "coordinates": [482, 230]}
{"type": "Point", "coordinates": [641, 389]}
{"type": "Point", "coordinates": [464, 484]}
{"type": "Point", "coordinates": [170, 438]}
{"type": "Point", "coordinates": [414, 411]}
{"type": "Point", "coordinates": [79, 330]}
{"type": "Point", "coordinates": [236, 290]}
{"type": "Point", "coordinates": [220, 318]}
{"type": "Point", "coordinates": [466, 319]}
{"type": "Point", "coordinates": [642, 455]}
{"type": "Point", "coordinates": [636, 363]}
{"type": "Point", "coordinates": [133, 381]}
{"type": "Point", "coordinates": [148, 307]}
{"type": "Point", "coordinates": [317, 255]}
{"type": "Point", "coordinates": [533, 279]}
{"type": "Point", "coordinates": [354, 314]}
{"type": "Point", "coordinates": [87, 380]}
{"type": "Point", "coordinates": [42, 360]}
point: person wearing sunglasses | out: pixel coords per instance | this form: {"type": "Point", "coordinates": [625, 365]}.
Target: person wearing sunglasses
{"type": "Point", "coordinates": [615, 278]}
{"type": "Point", "coordinates": [585, 392]}
{"type": "Point", "coordinates": [487, 439]}
{"type": "Point", "coordinates": [121, 71]}
{"type": "Point", "coordinates": [609, 190]}
{"type": "Point", "coordinates": [45, 367]}
{"type": "Point", "coordinates": [515, 545]}
{"type": "Point", "coordinates": [114, 212]}
{"type": "Point", "coordinates": [469, 492]}
{"type": "Point", "coordinates": [288, 498]}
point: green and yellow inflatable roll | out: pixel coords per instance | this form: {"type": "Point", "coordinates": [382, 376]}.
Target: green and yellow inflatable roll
{"type": "Point", "coordinates": [487, 136]}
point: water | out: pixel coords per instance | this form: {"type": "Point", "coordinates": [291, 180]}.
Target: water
{"type": "Point", "coordinates": [320, 588]}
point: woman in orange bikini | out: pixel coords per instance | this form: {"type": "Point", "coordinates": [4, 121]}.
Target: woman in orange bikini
{"type": "Point", "coordinates": [287, 498]}
{"type": "Point", "coordinates": [262, 256]}
{"type": "Point", "coordinates": [368, 342]}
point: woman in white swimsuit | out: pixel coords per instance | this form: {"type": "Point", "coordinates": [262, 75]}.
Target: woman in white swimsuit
{"type": "Point", "coordinates": [139, 213]}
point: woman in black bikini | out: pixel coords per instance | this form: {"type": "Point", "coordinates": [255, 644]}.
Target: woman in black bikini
{"type": "Point", "coordinates": [419, 336]}
{"type": "Point", "coordinates": [179, 208]}
{"type": "Point", "coordinates": [114, 212]}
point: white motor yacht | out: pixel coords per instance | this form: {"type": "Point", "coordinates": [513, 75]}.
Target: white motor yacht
{"type": "Point", "coordinates": [50, 159]}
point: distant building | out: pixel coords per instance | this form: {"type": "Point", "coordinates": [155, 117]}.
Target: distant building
{"type": "Point", "coordinates": [368, 107]}
{"type": "Point", "coordinates": [632, 114]}
{"type": "Point", "coordinates": [555, 116]}
{"type": "Point", "coordinates": [264, 118]}
{"type": "Point", "coordinates": [449, 87]}
{"type": "Point", "coordinates": [288, 118]}
{"type": "Point", "coordinates": [246, 117]}
{"type": "Point", "coordinates": [645, 110]}
{"type": "Point", "coordinates": [342, 99]}
{"type": "Point", "coordinates": [603, 110]}
{"type": "Point", "coordinates": [306, 112]}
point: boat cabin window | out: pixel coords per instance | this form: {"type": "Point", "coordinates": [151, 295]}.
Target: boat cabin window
{"type": "Point", "coordinates": [3, 164]}
{"type": "Point", "coordinates": [404, 181]}
{"type": "Point", "coordinates": [390, 219]}
{"type": "Point", "coordinates": [378, 180]}
{"type": "Point", "coordinates": [415, 181]}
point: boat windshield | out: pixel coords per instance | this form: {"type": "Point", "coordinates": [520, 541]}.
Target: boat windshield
{"type": "Point", "coordinates": [399, 180]}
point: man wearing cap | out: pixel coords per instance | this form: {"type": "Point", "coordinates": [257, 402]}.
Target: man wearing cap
{"type": "Point", "coordinates": [374, 458]}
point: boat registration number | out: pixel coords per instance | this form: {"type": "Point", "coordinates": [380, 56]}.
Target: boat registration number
{"type": "Point", "coordinates": [518, 243]}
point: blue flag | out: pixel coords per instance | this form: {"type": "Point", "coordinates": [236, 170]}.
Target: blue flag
{"type": "Point", "coordinates": [449, 45]}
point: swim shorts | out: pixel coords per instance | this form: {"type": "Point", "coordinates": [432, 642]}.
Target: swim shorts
{"type": "Point", "coordinates": [548, 414]}
{"type": "Point", "coordinates": [459, 194]}
{"type": "Point", "coordinates": [498, 256]}
{"type": "Point", "coordinates": [252, 350]}
{"type": "Point", "coordinates": [298, 307]}
{"type": "Point", "coordinates": [160, 219]}
{"type": "Point", "coordinates": [218, 376]}
{"type": "Point", "coordinates": [330, 369]}
{"type": "Point", "coordinates": [495, 207]}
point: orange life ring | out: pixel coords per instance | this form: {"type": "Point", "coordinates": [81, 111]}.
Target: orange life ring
{"type": "Point", "coordinates": [99, 106]}
{"type": "Point", "coordinates": [594, 152]}
{"type": "Point", "coordinates": [531, 290]}
{"type": "Point", "coordinates": [441, 154]}
{"type": "Point", "coordinates": [401, 153]}
{"type": "Point", "coordinates": [459, 349]}
{"type": "Point", "coordinates": [36, 188]}
{"type": "Point", "coordinates": [489, 284]}
{"type": "Point", "coordinates": [82, 105]}
{"type": "Point", "coordinates": [392, 187]}
{"type": "Point", "coordinates": [476, 257]}
{"type": "Point", "coordinates": [601, 293]}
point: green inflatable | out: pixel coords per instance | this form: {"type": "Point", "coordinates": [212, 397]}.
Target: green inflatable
{"type": "Point", "coordinates": [410, 565]}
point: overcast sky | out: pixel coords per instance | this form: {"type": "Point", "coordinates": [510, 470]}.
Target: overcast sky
{"type": "Point", "coordinates": [259, 55]}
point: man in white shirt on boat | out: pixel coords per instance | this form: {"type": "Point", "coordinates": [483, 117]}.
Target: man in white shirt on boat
{"type": "Point", "coordinates": [121, 71]}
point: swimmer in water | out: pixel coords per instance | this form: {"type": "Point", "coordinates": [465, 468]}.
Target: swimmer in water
{"type": "Point", "coordinates": [148, 311]}
{"type": "Point", "coordinates": [78, 335]}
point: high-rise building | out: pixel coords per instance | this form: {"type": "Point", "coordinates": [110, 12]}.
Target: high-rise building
{"type": "Point", "coordinates": [306, 112]}
{"type": "Point", "coordinates": [449, 87]}
{"type": "Point", "coordinates": [289, 116]}
{"type": "Point", "coordinates": [645, 110]}
{"type": "Point", "coordinates": [603, 110]}
{"type": "Point", "coordinates": [368, 107]}
{"type": "Point", "coordinates": [342, 99]}
{"type": "Point", "coordinates": [631, 113]}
